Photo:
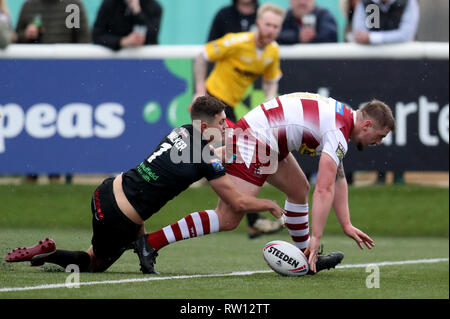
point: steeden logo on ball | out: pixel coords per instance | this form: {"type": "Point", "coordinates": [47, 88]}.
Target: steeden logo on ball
{"type": "Point", "coordinates": [285, 259]}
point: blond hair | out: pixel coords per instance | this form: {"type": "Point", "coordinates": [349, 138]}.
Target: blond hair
{"type": "Point", "coordinates": [4, 7]}
{"type": "Point", "coordinates": [380, 113]}
{"type": "Point", "coordinates": [270, 7]}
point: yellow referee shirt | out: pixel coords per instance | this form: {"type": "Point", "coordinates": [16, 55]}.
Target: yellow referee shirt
{"type": "Point", "coordinates": [238, 63]}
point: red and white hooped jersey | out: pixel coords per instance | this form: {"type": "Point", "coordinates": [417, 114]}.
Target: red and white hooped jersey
{"type": "Point", "coordinates": [303, 122]}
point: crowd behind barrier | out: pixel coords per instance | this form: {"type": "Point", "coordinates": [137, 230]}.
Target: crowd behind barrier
{"type": "Point", "coordinates": [201, 14]}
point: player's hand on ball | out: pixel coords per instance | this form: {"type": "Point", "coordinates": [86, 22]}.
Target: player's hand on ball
{"type": "Point", "coordinates": [277, 211]}
{"type": "Point", "coordinates": [358, 236]}
{"type": "Point", "coordinates": [312, 252]}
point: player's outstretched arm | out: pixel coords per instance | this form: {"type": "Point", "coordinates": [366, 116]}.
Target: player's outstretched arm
{"type": "Point", "coordinates": [342, 210]}
{"type": "Point", "coordinates": [243, 203]}
{"type": "Point", "coordinates": [200, 70]}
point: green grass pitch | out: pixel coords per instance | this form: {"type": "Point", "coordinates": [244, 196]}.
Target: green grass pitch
{"type": "Point", "coordinates": [408, 223]}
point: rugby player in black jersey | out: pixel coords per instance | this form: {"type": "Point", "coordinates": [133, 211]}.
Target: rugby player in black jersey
{"type": "Point", "coordinates": [121, 204]}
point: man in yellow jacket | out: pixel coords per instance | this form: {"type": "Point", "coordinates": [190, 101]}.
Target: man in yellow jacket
{"type": "Point", "coordinates": [239, 59]}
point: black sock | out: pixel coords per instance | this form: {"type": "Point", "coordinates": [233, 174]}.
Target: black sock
{"type": "Point", "coordinates": [64, 258]}
{"type": "Point", "coordinates": [251, 218]}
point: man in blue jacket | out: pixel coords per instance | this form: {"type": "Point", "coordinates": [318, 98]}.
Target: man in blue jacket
{"type": "Point", "coordinates": [307, 23]}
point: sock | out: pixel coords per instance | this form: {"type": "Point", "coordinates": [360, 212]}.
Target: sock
{"type": "Point", "coordinates": [297, 222]}
{"type": "Point", "coordinates": [252, 218]}
{"type": "Point", "coordinates": [64, 258]}
{"type": "Point", "coordinates": [193, 225]}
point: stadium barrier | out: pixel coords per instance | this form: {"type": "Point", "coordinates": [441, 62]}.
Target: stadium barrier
{"type": "Point", "coordinates": [85, 109]}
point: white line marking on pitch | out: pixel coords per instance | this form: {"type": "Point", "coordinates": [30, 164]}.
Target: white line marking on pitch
{"type": "Point", "coordinates": [237, 273]}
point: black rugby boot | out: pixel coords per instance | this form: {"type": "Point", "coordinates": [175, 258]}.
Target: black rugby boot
{"type": "Point", "coordinates": [327, 261]}
{"type": "Point", "coordinates": [147, 255]}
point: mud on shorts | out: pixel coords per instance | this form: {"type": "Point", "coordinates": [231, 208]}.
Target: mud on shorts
{"type": "Point", "coordinates": [113, 232]}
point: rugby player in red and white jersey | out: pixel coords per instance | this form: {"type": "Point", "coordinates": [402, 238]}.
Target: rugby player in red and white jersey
{"type": "Point", "coordinates": [312, 125]}
{"type": "Point", "coordinates": [259, 151]}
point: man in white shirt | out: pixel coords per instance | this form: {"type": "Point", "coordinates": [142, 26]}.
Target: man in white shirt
{"type": "Point", "coordinates": [385, 21]}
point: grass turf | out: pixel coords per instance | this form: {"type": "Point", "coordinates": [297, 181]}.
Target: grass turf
{"type": "Point", "coordinates": [392, 210]}
{"type": "Point", "coordinates": [232, 252]}
{"type": "Point", "coordinates": [406, 222]}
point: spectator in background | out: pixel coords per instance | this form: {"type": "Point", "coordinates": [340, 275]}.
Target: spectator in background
{"type": "Point", "coordinates": [348, 9]}
{"type": "Point", "coordinates": [49, 21]}
{"type": "Point", "coordinates": [307, 23]}
{"type": "Point", "coordinates": [397, 23]}
{"type": "Point", "coordinates": [127, 23]}
{"type": "Point", "coordinates": [238, 17]}
{"type": "Point", "coordinates": [239, 59]}
{"type": "Point", "coordinates": [6, 34]}
{"type": "Point", "coordinates": [45, 21]}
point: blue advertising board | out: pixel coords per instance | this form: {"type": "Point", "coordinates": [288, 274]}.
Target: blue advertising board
{"type": "Point", "coordinates": [83, 116]}
{"type": "Point", "coordinates": [106, 115]}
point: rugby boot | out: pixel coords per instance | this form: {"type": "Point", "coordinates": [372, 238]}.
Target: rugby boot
{"type": "Point", "coordinates": [327, 261]}
{"type": "Point", "coordinates": [264, 226]}
{"type": "Point", "coordinates": [35, 254]}
{"type": "Point", "coordinates": [147, 255]}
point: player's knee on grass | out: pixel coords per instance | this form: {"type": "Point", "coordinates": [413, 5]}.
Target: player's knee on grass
{"type": "Point", "coordinates": [98, 264]}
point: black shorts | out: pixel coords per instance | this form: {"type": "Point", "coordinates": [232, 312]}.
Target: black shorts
{"type": "Point", "coordinates": [113, 232]}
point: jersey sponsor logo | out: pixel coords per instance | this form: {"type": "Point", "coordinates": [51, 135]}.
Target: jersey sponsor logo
{"type": "Point", "coordinates": [309, 140]}
{"type": "Point", "coordinates": [305, 150]}
{"type": "Point", "coordinates": [245, 73]}
{"type": "Point", "coordinates": [217, 165]}
{"type": "Point", "coordinates": [146, 173]}
{"type": "Point", "coordinates": [340, 108]}
{"type": "Point", "coordinates": [340, 151]}
{"type": "Point", "coordinates": [257, 171]}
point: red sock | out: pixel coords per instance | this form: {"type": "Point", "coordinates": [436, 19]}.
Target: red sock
{"type": "Point", "coordinates": [193, 225]}
{"type": "Point", "coordinates": [297, 222]}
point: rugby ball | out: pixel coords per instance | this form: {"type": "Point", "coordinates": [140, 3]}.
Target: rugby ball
{"type": "Point", "coordinates": [285, 259]}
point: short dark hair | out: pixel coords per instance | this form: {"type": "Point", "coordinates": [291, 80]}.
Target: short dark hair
{"type": "Point", "coordinates": [206, 108]}
{"type": "Point", "coordinates": [255, 2]}
{"type": "Point", "coordinates": [380, 113]}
